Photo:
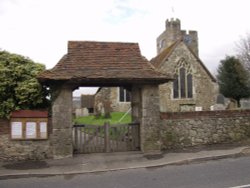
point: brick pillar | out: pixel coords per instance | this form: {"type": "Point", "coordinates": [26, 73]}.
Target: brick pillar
{"type": "Point", "coordinates": [150, 125]}
{"type": "Point", "coordinates": [61, 138]}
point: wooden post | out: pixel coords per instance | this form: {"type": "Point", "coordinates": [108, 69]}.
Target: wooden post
{"type": "Point", "coordinates": [85, 139]}
{"type": "Point", "coordinates": [80, 140]}
{"type": "Point", "coordinates": [106, 137]}
{"type": "Point", "coordinates": [75, 138]}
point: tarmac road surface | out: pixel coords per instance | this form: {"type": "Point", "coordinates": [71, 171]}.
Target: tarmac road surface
{"type": "Point", "coordinates": [225, 173]}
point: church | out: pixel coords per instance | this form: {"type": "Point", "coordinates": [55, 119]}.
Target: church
{"type": "Point", "coordinates": [193, 87]}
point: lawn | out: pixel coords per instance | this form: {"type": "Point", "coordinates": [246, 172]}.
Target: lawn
{"type": "Point", "coordinates": [115, 117]}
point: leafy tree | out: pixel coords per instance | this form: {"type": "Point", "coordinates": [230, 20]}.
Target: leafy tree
{"type": "Point", "coordinates": [19, 88]}
{"type": "Point", "coordinates": [233, 79]}
{"type": "Point", "coordinates": [243, 49]}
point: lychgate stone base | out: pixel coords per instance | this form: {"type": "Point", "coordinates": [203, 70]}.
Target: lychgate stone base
{"type": "Point", "coordinates": [150, 124]}
{"type": "Point", "coordinates": [61, 138]}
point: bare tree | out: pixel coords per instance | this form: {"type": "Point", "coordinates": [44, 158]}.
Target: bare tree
{"type": "Point", "coordinates": [243, 49]}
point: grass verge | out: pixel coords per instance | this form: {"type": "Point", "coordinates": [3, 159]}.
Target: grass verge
{"type": "Point", "coordinates": [115, 117]}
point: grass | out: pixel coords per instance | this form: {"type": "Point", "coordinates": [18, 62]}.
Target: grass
{"type": "Point", "coordinates": [115, 117]}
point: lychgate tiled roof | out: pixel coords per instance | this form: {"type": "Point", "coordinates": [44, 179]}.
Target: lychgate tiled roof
{"type": "Point", "coordinates": [89, 62]}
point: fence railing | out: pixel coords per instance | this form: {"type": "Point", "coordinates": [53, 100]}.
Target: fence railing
{"type": "Point", "coordinates": [105, 138]}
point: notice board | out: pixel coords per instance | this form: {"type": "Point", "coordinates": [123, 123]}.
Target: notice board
{"type": "Point", "coordinates": [29, 128]}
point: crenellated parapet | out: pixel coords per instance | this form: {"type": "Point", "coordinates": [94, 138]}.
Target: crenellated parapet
{"type": "Point", "coordinates": [173, 23]}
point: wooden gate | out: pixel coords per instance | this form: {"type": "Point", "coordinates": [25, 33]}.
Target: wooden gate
{"type": "Point", "coordinates": [106, 138]}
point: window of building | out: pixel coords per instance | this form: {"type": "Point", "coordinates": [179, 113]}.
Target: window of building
{"type": "Point", "coordinates": [91, 110]}
{"type": "Point", "coordinates": [176, 86]}
{"type": "Point", "coordinates": [183, 83]}
{"type": "Point", "coordinates": [162, 43]}
{"type": "Point", "coordinates": [190, 86]}
{"type": "Point", "coordinates": [124, 95]}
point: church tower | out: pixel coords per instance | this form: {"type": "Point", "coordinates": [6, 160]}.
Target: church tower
{"type": "Point", "coordinates": [173, 33]}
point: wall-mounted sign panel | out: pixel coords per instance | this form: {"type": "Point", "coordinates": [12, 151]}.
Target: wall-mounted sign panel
{"type": "Point", "coordinates": [43, 130]}
{"type": "Point", "coordinates": [16, 130]}
{"type": "Point", "coordinates": [31, 131]}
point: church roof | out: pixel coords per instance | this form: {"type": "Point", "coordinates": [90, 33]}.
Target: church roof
{"type": "Point", "coordinates": [161, 57]}
{"type": "Point", "coordinates": [166, 53]}
{"type": "Point", "coordinates": [90, 62]}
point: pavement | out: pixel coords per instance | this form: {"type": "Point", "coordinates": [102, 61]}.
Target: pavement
{"type": "Point", "coordinates": [103, 162]}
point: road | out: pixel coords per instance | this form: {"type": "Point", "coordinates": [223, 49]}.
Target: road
{"type": "Point", "coordinates": [213, 174]}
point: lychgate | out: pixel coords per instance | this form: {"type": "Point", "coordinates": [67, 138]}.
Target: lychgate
{"type": "Point", "coordinates": [106, 64]}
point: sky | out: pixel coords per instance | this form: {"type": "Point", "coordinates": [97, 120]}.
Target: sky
{"type": "Point", "coordinates": [40, 29]}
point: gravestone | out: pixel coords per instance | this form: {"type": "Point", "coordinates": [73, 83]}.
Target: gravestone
{"type": "Point", "coordinates": [220, 103]}
{"type": "Point", "coordinates": [245, 104]}
{"type": "Point", "coordinates": [220, 99]}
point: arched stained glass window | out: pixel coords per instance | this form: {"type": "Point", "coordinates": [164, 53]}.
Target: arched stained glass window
{"type": "Point", "coordinates": [176, 86]}
{"type": "Point", "coordinates": [189, 86]}
{"type": "Point", "coordinates": [183, 83]}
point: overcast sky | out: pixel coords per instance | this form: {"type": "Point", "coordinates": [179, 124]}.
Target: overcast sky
{"type": "Point", "coordinates": [40, 29]}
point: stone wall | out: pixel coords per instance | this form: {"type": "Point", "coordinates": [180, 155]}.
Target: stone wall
{"type": "Point", "coordinates": [184, 129]}
{"type": "Point", "coordinates": [102, 101]}
{"type": "Point", "coordinates": [22, 149]}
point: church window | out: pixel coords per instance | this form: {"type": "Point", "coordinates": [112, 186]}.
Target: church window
{"type": "Point", "coordinates": [183, 83]}
{"type": "Point", "coordinates": [176, 86]}
{"type": "Point", "coordinates": [190, 86]}
{"type": "Point", "coordinates": [162, 43]}
{"type": "Point", "coordinates": [124, 95]}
